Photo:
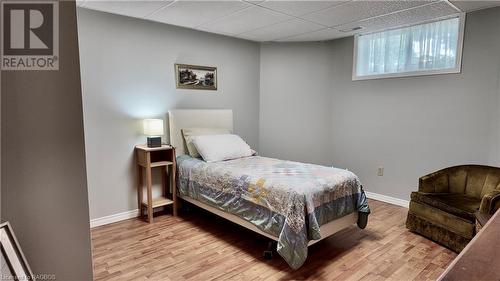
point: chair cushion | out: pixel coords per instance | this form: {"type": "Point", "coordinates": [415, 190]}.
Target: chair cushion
{"type": "Point", "coordinates": [459, 205]}
{"type": "Point", "coordinates": [443, 219]}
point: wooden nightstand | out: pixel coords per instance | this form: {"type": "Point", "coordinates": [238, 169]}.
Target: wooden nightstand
{"type": "Point", "coordinates": [157, 157]}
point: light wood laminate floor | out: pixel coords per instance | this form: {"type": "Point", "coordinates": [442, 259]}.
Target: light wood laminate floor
{"type": "Point", "coordinates": [201, 246]}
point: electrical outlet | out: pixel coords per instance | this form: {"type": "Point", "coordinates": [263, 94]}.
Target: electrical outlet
{"type": "Point", "coordinates": [380, 171]}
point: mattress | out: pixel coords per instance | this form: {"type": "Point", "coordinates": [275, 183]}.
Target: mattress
{"type": "Point", "coordinates": [288, 200]}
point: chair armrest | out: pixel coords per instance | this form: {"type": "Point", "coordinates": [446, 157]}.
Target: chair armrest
{"type": "Point", "coordinates": [434, 183]}
{"type": "Point", "coordinates": [490, 202]}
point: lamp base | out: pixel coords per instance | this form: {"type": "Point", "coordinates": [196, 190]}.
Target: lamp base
{"type": "Point", "coordinates": [154, 141]}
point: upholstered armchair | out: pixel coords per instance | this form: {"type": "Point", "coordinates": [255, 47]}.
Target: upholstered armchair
{"type": "Point", "coordinates": [444, 207]}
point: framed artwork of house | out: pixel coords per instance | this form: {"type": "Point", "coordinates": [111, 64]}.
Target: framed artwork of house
{"type": "Point", "coordinates": [195, 77]}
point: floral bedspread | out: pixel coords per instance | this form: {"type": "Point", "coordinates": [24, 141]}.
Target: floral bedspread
{"type": "Point", "coordinates": [289, 200]}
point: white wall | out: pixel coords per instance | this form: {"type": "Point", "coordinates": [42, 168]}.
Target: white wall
{"type": "Point", "coordinates": [295, 102]}
{"type": "Point", "coordinates": [410, 126]}
{"type": "Point", "coordinates": [128, 74]}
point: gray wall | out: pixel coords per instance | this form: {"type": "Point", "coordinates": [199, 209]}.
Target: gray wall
{"type": "Point", "coordinates": [309, 108]}
{"type": "Point", "coordinates": [128, 74]}
{"type": "Point", "coordinates": [295, 102]}
{"type": "Point", "coordinates": [496, 141]}
{"type": "Point", "coordinates": [410, 126]}
{"type": "Point", "coordinates": [44, 186]}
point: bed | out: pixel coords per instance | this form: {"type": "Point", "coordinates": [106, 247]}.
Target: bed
{"type": "Point", "coordinates": [292, 203]}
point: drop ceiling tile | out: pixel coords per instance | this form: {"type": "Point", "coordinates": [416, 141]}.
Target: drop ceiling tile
{"type": "Point", "coordinates": [254, 1]}
{"type": "Point", "coordinates": [133, 8]}
{"type": "Point", "coordinates": [358, 10]}
{"type": "Point", "coordinates": [409, 17]}
{"type": "Point", "coordinates": [320, 35]}
{"type": "Point", "coordinates": [193, 13]}
{"type": "Point", "coordinates": [245, 20]}
{"type": "Point", "coordinates": [467, 6]}
{"type": "Point", "coordinates": [281, 30]}
{"type": "Point", "coordinates": [299, 8]}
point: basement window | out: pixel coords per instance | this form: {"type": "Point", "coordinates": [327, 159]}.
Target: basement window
{"type": "Point", "coordinates": [424, 49]}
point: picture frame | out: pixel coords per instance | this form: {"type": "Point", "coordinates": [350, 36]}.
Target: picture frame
{"type": "Point", "coordinates": [13, 262]}
{"type": "Point", "coordinates": [195, 77]}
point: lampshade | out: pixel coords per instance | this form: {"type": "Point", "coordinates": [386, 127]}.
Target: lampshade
{"type": "Point", "coordinates": [153, 127]}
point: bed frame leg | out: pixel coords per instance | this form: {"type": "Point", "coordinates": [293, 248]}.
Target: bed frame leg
{"type": "Point", "coordinates": [362, 220]}
{"type": "Point", "coordinates": [271, 247]}
{"type": "Point", "coordinates": [185, 208]}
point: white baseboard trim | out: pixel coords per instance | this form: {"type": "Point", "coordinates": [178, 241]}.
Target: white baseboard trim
{"type": "Point", "coordinates": [135, 213]}
{"type": "Point", "coordinates": [388, 199]}
{"type": "Point", "coordinates": [114, 218]}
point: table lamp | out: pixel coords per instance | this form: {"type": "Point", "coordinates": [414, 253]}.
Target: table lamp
{"type": "Point", "coordinates": [154, 129]}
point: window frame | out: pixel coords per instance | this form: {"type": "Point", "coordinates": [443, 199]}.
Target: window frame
{"type": "Point", "coordinates": [455, 70]}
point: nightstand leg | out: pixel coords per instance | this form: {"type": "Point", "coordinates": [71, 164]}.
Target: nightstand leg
{"type": "Point", "coordinates": [164, 183]}
{"type": "Point", "coordinates": [174, 185]}
{"type": "Point", "coordinates": [150, 195]}
{"type": "Point", "coordinates": [139, 190]}
{"type": "Point", "coordinates": [164, 177]}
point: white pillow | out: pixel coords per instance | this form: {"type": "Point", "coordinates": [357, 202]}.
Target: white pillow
{"type": "Point", "coordinates": [215, 148]}
{"type": "Point", "coordinates": [189, 133]}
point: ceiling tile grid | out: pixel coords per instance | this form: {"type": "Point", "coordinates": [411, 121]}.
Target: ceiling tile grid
{"type": "Point", "coordinates": [138, 9]}
{"type": "Point", "coordinates": [319, 35]}
{"type": "Point", "coordinates": [299, 8]}
{"type": "Point", "coordinates": [194, 13]}
{"type": "Point", "coordinates": [287, 20]}
{"type": "Point", "coordinates": [404, 18]}
{"type": "Point", "coordinates": [245, 20]}
{"type": "Point", "coordinates": [281, 30]}
{"type": "Point", "coordinates": [358, 10]}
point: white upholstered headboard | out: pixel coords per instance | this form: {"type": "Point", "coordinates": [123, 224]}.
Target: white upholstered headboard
{"type": "Point", "coordinates": [179, 119]}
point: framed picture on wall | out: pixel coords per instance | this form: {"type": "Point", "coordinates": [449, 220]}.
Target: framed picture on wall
{"type": "Point", "coordinates": [13, 263]}
{"type": "Point", "coordinates": [195, 77]}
